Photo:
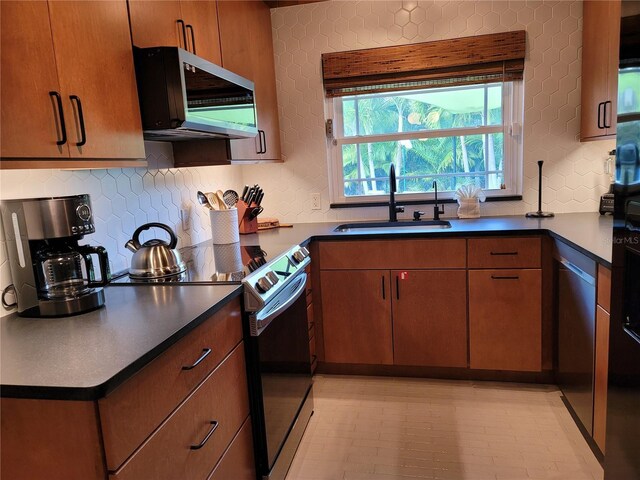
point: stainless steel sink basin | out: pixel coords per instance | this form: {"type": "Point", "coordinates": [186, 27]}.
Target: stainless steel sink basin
{"type": "Point", "coordinates": [386, 226]}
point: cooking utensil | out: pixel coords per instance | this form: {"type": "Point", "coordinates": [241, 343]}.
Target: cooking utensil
{"type": "Point", "coordinates": [213, 201]}
{"type": "Point", "coordinates": [230, 198]}
{"type": "Point", "coordinates": [255, 212]}
{"type": "Point", "coordinates": [203, 200]}
{"type": "Point", "coordinates": [154, 258]}
{"type": "Point", "coordinates": [221, 203]}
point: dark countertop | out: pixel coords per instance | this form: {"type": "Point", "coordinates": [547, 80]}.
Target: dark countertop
{"type": "Point", "coordinates": [591, 233]}
{"type": "Point", "coordinates": [86, 356]}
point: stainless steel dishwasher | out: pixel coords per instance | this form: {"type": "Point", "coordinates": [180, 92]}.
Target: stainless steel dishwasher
{"type": "Point", "coordinates": [576, 313]}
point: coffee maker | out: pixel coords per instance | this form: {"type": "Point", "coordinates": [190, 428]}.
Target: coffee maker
{"type": "Point", "coordinates": [52, 275]}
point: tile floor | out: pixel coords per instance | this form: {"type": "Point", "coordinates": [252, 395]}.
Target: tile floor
{"type": "Point", "coordinates": [374, 428]}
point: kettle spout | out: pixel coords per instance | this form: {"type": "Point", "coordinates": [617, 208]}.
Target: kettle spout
{"type": "Point", "coordinates": [132, 245]}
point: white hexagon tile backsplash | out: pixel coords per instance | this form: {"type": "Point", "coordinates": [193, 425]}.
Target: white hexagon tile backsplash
{"type": "Point", "coordinates": [574, 175]}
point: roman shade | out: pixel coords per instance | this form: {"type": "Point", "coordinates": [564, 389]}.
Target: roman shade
{"type": "Point", "coordinates": [489, 58]}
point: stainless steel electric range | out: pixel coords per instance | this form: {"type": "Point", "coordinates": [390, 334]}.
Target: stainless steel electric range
{"type": "Point", "coordinates": [276, 338]}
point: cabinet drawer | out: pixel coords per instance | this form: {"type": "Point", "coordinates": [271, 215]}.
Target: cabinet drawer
{"type": "Point", "coordinates": [237, 463]}
{"type": "Point", "coordinates": [505, 320]}
{"type": "Point", "coordinates": [504, 253]}
{"type": "Point", "coordinates": [393, 254]}
{"type": "Point", "coordinates": [169, 453]}
{"type": "Point", "coordinates": [130, 413]}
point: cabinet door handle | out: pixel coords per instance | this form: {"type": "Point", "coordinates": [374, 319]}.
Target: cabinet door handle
{"type": "Point", "coordinates": [504, 253]}
{"type": "Point", "coordinates": [63, 127]}
{"type": "Point", "coordinates": [505, 277]}
{"type": "Point", "coordinates": [397, 287]}
{"type": "Point", "coordinates": [383, 293]}
{"type": "Point", "coordinates": [83, 133]}
{"type": "Point", "coordinates": [193, 38]}
{"type": "Point", "coordinates": [600, 124]}
{"type": "Point", "coordinates": [604, 114]}
{"type": "Point", "coordinates": [214, 426]}
{"type": "Point", "coordinates": [205, 354]}
{"type": "Point", "coordinates": [184, 33]}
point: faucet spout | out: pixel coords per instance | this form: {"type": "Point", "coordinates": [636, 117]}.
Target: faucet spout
{"type": "Point", "coordinates": [437, 211]}
{"type": "Point", "coordinates": [393, 209]}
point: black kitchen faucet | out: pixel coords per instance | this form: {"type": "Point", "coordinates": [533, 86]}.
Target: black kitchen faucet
{"type": "Point", "coordinates": [436, 210]}
{"type": "Point", "coordinates": [393, 209]}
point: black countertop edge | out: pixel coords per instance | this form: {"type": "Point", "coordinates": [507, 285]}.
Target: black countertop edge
{"type": "Point", "coordinates": [418, 202]}
{"type": "Point", "coordinates": [99, 391]}
{"type": "Point", "coordinates": [583, 250]}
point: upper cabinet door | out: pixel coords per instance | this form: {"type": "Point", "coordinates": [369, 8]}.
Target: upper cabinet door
{"type": "Point", "coordinates": [155, 24]}
{"type": "Point", "coordinates": [201, 23]}
{"type": "Point", "coordinates": [600, 45]}
{"type": "Point", "coordinates": [247, 49]}
{"type": "Point", "coordinates": [95, 68]}
{"type": "Point", "coordinates": [30, 121]}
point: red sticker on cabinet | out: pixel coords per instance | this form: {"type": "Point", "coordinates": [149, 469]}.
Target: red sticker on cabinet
{"type": "Point", "coordinates": [404, 275]}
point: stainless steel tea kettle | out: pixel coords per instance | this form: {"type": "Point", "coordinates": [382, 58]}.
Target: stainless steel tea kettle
{"type": "Point", "coordinates": [154, 258]}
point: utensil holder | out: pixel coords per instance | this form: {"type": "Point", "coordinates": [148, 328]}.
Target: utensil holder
{"type": "Point", "coordinates": [246, 224]}
{"type": "Point", "coordinates": [224, 226]}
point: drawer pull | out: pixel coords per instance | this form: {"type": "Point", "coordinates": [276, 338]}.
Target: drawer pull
{"type": "Point", "coordinates": [214, 426]}
{"type": "Point", "coordinates": [504, 253]}
{"type": "Point", "coordinates": [498, 277]}
{"type": "Point", "coordinates": [311, 325]}
{"type": "Point", "coordinates": [205, 353]}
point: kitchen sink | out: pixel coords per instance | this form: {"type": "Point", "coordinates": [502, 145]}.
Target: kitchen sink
{"type": "Point", "coordinates": [386, 226]}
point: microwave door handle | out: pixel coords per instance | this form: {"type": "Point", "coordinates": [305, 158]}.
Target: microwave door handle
{"type": "Point", "coordinates": [193, 39]}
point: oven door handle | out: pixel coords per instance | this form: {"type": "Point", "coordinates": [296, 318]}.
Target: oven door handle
{"type": "Point", "coordinates": [259, 323]}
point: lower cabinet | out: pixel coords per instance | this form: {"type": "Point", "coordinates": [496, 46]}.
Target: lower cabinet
{"type": "Point", "coordinates": [429, 317]}
{"type": "Point", "coordinates": [505, 310]}
{"type": "Point", "coordinates": [356, 314]}
{"type": "Point", "coordinates": [237, 463]}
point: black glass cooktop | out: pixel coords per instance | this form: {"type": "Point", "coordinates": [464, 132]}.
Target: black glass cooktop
{"type": "Point", "coordinates": [209, 263]}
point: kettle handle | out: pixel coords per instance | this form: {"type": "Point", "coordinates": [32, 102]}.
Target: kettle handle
{"type": "Point", "coordinates": [173, 242]}
{"type": "Point", "coordinates": [103, 257]}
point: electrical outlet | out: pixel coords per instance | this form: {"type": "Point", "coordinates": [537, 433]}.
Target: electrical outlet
{"type": "Point", "coordinates": [185, 218]}
{"type": "Point", "coordinates": [316, 201]}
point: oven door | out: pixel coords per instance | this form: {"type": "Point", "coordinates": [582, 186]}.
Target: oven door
{"type": "Point", "coordinates": [280, 372]}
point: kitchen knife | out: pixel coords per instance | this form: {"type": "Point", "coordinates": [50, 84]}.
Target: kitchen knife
{"type": "Point", "coordinates": [259, 199]}
{"type": "Point", "coordinates": [244, 192]}
{"type": "Point", "coordinates": [247, 199]}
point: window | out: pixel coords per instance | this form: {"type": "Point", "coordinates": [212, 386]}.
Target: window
{"type": "Point", "coordinates": [456, 135]}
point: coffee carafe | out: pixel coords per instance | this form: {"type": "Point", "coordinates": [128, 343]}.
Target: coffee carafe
{"type": "Point", "coordinates": [52, 274]}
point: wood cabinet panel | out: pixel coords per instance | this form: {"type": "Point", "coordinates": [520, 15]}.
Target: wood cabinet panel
{"type": "Point", "coordinates": [155, 23]}
{"type": "Point", "coordinates": [601, 378]}
{"type": "Point", "coordinates": [237, 463]}
{"type": "Point", "coordinates": [29, 121]}
{"type": "Point", "coordinates": [504, 252]}
{"type": "Point", "coordinates": [222, 398]}
{"type": "Point", "coordinates": [429, 317]}
{"type": "Point", "coordinates": [203, 18]}
{"type": "Point", "coordinates": [356, 317]}
{"type": "Point", "coordinates": [87, 36]}
{"type": "Point", "coordinates": [604, 287]}
{"type": "Point", "coordinates": [600, 45]}
{"type": "Point", "coordinates": [52, 439]}
{"type": "Point", "coordinates": [393, 254]}
{"type": "Point", "coordinates": [505, 319]}
{"type": "Point", "coordinates": [131, 412]}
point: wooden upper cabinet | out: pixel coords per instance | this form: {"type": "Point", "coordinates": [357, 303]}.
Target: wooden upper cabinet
{"type": "Point", "coordinates": [505, 327]}
{"type": "Point", "coordinates": [155, 23]}
{"type": "Point", "coordinates": [30, 121]}
{"type": "Point", "coordinates": [247, 49]}
{"type": "Point", "coordinates": [356, 317]}
{"type": "Point", "coordinates": [80, 50]}
{"type": "Point", "coordinates": [192, 25]}
{"type": "Point", "coordinates": [429, 317]}
{"type": "Point", "coordinates": [103, 113]}
{"type": "Point", "coordinates": [600, 45]}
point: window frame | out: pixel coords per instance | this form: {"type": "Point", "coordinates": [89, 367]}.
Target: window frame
{"type": "Point", "coordinates": [511, 128]}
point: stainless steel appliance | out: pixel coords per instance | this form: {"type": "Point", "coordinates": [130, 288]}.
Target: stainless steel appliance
{"type": "Point", "coordinates": [183, 96]}
{"type": "Point", "coordinates": [623, 393]}
{"type": "Point", "coordinates": [154, 258]}
{"type": "Point", "coordinates": [52, 274]}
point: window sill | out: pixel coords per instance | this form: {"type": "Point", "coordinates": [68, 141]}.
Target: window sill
{"type": "Point", "coordinates": [418, 202]}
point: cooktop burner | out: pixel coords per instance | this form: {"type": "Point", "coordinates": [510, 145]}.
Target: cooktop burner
{"type": "Point", "coordinates": [210, 264]}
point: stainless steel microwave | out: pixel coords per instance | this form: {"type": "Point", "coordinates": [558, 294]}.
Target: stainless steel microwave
{"type": "Point", "coordinates": [183, 97]}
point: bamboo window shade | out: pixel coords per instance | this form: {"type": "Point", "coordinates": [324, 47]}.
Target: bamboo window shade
{"type": "Point", "coordinates": [497, 57]}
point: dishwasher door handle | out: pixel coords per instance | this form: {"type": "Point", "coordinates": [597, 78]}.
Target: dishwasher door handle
{"type": "Point", "coordinates": [578, 271]}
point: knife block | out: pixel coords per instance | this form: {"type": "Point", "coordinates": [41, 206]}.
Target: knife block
{"type": "Point", "coordinates": [246, 226]}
